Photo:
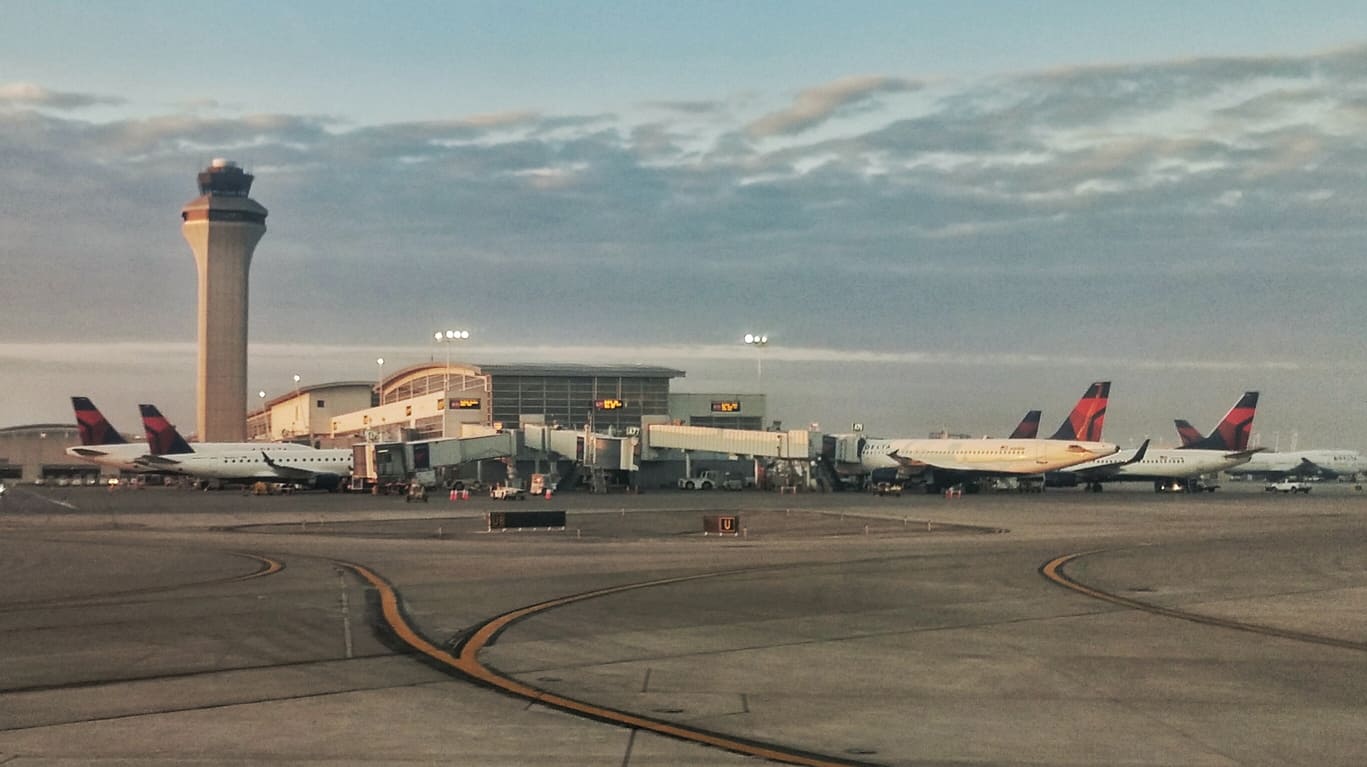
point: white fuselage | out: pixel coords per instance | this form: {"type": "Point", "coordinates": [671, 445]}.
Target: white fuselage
{"type": "Point", "coordinates": [1332, 462]}
{"type": "Point", "coordinates": [1159, 464]}
{"type": "Point", "coordinates": [129, 456]}
{"type": "Point", "coordinates": [262, 463]}
{"type": "Point", "coordinates": [986, 456]}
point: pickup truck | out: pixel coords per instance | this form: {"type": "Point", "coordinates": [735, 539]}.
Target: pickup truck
{"type": "Point", "coordinates": [1288, 486]}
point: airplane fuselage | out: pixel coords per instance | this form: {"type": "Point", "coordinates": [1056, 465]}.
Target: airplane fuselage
{"type": "Point", "coordinates": [1157, 464]}
{"type": "Point", "coordinates": [983, 456]}
{"type": "Point", "coordinates": [131, 456]}
{"type": "Point", "coordinates": [264, 463]}
{"type": "Point", "coordinates": [1327, 463]}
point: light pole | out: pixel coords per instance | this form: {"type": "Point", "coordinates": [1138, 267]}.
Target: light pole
{"type": "Point", "coordinates": [759, 342]}
{"type": "Point", "coordinates": [294, 430]}
{"type": "Point", "coordinates": [379, 381]}
{"type": "Point", "coordinates": [446, 337]}
{"type": "Point", "coordinates": [265, 417]}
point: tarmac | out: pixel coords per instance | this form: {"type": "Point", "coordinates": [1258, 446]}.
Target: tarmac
{"type": "Point", "coordinates": [166, 626]}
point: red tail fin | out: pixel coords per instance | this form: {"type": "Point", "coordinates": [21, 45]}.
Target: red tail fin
{"type": "Point", "coordinates": [1233, 430]}
{"type": "Point", "coordinates": [1084, 423]}
{"type": "Point", "coordinates": [1190, 436]}
{"type": "Point", "coordinates": [162, 437]}
{"type": "Point", "coordinates": [1028, 427]}
{"type": "Point", "coordinates": [94, 428]}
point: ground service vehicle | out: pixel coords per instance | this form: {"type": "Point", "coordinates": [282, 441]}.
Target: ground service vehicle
{"type": "Point", "coordinates": [507, 493]}
{"type": "Point", "coordinates": [711, 480]}
{"type": "Point", "coordinates": [1288, 486]}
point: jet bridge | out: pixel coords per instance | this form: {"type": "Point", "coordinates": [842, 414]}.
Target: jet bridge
{"type": "Point", "coordinates": [797, 444]}
{"type": "Point", "coordinates": [384, 463]}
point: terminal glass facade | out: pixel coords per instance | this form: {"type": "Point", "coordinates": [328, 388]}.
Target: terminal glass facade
{"type": "Point", "coordinates": [576, 401]}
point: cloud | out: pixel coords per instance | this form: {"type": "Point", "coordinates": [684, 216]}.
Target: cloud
{"type": "Point", "coordinates": [1113, 186]}
{"type": "Point", "coordinates": [815, 106]}
{"type": "Point", "coordinates": [30, 95]}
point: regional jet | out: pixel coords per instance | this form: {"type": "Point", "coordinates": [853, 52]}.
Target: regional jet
{"type": "Point", "coordinates": [1176, 469]}
{"type": "Point", "coordinates": [270, 462]}
{"type": "Point", "coordinates": [1234, 431]}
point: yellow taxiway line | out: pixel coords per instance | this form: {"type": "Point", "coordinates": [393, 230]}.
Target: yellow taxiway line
{"type": "Point", "coordinates": [467, 663]}
{"type": "Point", "coordinates": [1054, 571]}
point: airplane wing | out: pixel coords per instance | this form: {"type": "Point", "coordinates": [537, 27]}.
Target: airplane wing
{"type": "Point", "coordinates": [1106, 471]}
{"type": "Point", "coordinates": [288, 472]}
{"type": "Point", "coordinates": [156, 461]}
{"type": "Point", "coordinates": [1308, 468]}
{"type": "Point", "coordinates": [1243, 455]}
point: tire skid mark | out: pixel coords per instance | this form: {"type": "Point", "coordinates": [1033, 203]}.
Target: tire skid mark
{"type": "Point", "coordinates": [265, 566]}
{"type": "Point", "coordinates": [1053, 570]}
{"type": "Point", "coordinates": [463, 659]}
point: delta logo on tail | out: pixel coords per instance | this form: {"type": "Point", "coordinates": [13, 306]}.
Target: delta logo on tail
{"type": "Point", "coordinates": [1189, 434]}
{"type": "Point", "coordinates": [93, 427]}
{"type": "Point", "coordinates": [162, 437]}
{"type": "Point", "coordinates": [1231, 434]}
{"type": "Point", "coordinates": [1028, 427]}
{"type": "Point", "coordinates": [1084, 423]}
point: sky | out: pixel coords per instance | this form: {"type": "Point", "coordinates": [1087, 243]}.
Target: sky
{"type": "Point", "coordinates": [942, 214]}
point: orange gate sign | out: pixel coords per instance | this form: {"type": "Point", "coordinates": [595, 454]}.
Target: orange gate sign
{"type": "Point", "coordinates": [720, 524]}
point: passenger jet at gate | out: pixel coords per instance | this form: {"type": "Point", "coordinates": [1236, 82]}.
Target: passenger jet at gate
{"type": "Point", "coordinates": [1178, 469]}
{"type": "Point", "coordinates": [942, 463]}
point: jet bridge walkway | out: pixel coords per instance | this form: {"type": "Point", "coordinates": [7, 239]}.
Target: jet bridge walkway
{"type": "Point", "coordinates": [797, 444]}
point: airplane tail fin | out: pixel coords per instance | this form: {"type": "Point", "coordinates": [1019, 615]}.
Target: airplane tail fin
{"type": "Point", "coordinates": [162, 437]}
{"type": "Point", "coordinates": [93, 427]}
{"type": "Point", "coordinates": [1189, 434]}
{"type": "Point", "coordinates": [1084, 423]}
{"type": "Point", "coordinates": [1028, 427]}
{"type": "Point", "coordinates": [1233, 430]}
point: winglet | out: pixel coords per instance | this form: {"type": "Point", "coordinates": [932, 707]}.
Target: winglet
{"type": "Point", "coordinates": [1138, 454]}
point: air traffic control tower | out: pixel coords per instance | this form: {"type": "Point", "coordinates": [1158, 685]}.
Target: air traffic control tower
{"type": "Point", "coordinates": [223, 226]}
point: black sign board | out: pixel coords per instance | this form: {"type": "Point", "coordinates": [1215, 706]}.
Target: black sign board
{"type": "Point", "coordinates": [526, 520]}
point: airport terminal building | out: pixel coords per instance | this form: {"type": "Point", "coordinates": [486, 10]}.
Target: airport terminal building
{"type": "Point", "coordinates": [434, 400]}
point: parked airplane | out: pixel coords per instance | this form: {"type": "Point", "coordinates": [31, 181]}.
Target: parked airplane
{"type": "Point", "coordinates": [101, 443]}
{"type": "Point", "coordinates": [941, 463]}
{"type": "Point", "coordinates": [1328, 464]}
{"type": "Point", "coordinates": [270, 462]}
{"type": "Point", "coordinates": [1176, 469]}
{"type": "Point", "coordinates": [241, 462]}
